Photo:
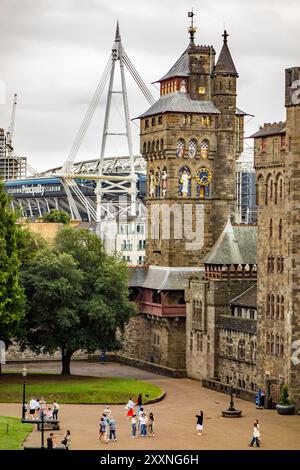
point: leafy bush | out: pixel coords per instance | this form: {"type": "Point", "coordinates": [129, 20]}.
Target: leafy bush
{"type": "Point", "coordinates": [56, 216]}
{"type": "Point", "coordinates": [284, 397]}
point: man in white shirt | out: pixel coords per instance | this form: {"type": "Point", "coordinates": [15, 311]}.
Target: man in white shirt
{"type": "Point", "coordinates": [32, 407]}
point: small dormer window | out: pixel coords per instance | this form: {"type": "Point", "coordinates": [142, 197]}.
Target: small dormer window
{"type": "Point", "coordinates": [183, 86]}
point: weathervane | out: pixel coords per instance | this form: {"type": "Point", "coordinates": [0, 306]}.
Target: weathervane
{"type": "Point", "coordinates": [192, 29]}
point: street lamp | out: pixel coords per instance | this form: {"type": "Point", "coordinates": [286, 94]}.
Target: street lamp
{"type": "Point", "coordinates": [24, 374]}
{"type": "Point", "coordinates": [231, 412]}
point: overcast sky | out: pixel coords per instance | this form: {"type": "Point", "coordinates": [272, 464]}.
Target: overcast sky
{"type": "Point", "coordinates": [53, 53]}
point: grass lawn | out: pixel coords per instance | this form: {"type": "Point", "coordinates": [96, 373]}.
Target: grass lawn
{"type": "Point", "coordinates": [75, 389]}
{"type": "Point", "coordinates": [13, 433]}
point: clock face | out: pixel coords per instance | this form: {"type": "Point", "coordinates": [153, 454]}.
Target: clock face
{"type": "Point", "coordinates": [203, 176]}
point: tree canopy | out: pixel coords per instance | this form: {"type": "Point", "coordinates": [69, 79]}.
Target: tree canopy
{"type": "Point", "coordinates": [77, 296]}
{"type": "Point", "coordinates": [56, 215]}
{"type": "Point", "coordinates": [12, 298]}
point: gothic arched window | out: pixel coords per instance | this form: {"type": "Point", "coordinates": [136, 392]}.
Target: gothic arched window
{"type": "Point", "coordinates": [241, 349]}
{"type": "Point", "coordinates": [280, 229]}
{"type": "Point", "coordinates": [204, 148]}
{"type": "Point", "coordinates": [271, 228]}
{"type": "Point", "coordinates": [180, 150]}
{"type": "Point", "coordinates": [282, 308]}
{"type": "Point", "coordinates": [192, 148]}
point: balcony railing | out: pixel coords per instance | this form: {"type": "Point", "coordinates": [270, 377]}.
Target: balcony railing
{"type": "Point", "coordinates": [166, 310]}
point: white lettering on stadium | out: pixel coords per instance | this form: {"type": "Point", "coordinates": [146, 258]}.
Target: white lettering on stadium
{"type": "Point", "coordinates": [34, 190]}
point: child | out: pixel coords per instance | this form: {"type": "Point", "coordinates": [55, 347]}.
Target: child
{"type": "Point", "coordinates": [150, 425]}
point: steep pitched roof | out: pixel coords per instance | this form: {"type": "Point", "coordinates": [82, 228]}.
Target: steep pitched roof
{"type": "Point", "coordinates": [235, 245]}
{"type": "Point", "coordinates": [180, 68]}
{"type": "Point", "coordinates": [180, 103]}
{"type": "Point", "coordinates": [225, 64]}
{"type": "Point", "coordinates": [247, 299]}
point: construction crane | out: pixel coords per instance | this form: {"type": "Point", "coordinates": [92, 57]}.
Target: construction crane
{"type": "Point", "coordinates": [10, 132]}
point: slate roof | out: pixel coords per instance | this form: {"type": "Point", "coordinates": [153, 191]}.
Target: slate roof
{"type": "Point", "coordinates": [247, 298]}
{"type": "Point", "coordinates": [161, 277]}
{"type": "Point", "coordinates": [225, 64]}
{"type": "Point", "coordinates": [180, 103]}
{"type": "Point", "coordinates": [276, 128]}
{"type": "Point", "coordinates": [235, 245]}
{"type": "Point", "coordinates": [137, 275]}
{"type": "Point", "coordinates": [180, 68]}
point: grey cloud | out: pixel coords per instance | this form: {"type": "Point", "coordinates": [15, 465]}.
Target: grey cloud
{"type": "Point", "coordinates": [53, 53]}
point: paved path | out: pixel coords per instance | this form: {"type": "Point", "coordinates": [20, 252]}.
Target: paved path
{"type": "Point", "coordinates": [175, 417]}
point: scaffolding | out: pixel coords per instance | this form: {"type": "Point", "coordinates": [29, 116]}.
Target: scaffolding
{"type": "Point", "coordinates": [11, 167]}
{"type": "Point", "coordinates": [246, 209]}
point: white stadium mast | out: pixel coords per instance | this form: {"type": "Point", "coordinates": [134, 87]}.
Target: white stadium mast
{"type": "Point", "coordinates": [106, 183]}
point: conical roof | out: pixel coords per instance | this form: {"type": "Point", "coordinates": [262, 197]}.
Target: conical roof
{"type": "Point", "coordinates": [225, 64]}
{"type": "Point", "coordinates": [235, 245]}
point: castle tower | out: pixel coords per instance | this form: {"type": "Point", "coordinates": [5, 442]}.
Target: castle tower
{"type": "Point", "coordinates": [230, 133]}
{"type": "Point", "coordinates": [277, 164]}
{"type": "Point", "coordinates": [190, 146]}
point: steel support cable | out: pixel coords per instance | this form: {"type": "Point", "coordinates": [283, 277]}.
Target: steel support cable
{"type": "Point", "coordinates": [135, 75]}
{"type": "Point", "coordinates": [72, 184]}
{"type": "Point", "coordinates": [90, 112]}
{"type": "Point", "coordinates": [138, 79]}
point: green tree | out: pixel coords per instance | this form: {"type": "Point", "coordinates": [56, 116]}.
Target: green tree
{"type": "Point", "coordinates": [12, 298]}
{"type": "Point", "coordinates": [284, 397]}
{"type": "Point", "coordinates": [56, 215]}
{"type": "Point", "coordinates": [83, 312]}
{"type": "Point", "coordinates": [53, 286]}
{"type": "Point", "coordinates": [28, 244]}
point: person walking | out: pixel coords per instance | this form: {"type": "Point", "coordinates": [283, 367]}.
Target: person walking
{"type": "Point", "coordinates": [51, 441]}
{"type": "Point", "coordinates": [133, 426]}
{"type": "Point", "coordinates": [139, 402]}
{"type": "Point", "coordinates": [199, 425]}
{"type": "Point", "coordinates": [32, 407]}
{"type": "Point", "coordinates": [150, 425]}
{"type": "Point", "coordinates": [256, 435]}
{"type": "Point", "coordinates": [55, 408]}
{"type": "Point", "coordinates": [107, 411]}
{"type": "Point", "coordinates": [130, 408]}
{"type": "Point", "coordinates": [143, 422]}
{"type": "Point", "coordinates": [112, 429]}
{"type": "Point", "coordinates": [139, 415]}
{"type": "Point", "coordinates": [67, 440]}
{"type": "Point", "coordinates": [102, 430]}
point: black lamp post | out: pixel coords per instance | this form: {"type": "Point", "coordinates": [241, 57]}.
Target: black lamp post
{"type": "Point", "coordinates": [24, 373]}
{"type": "Point", "coordinates": [231, 412]}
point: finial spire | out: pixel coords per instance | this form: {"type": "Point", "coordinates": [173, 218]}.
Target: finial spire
{"type": "Point", "coordinates": [225, 36]}
{"type": "Point", "coordinates": [192, 29]}
{"type": "Point", "coordinates": [117, 36]}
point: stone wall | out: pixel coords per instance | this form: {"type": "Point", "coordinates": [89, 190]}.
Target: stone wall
{"type": "Point", "coordinates": [155, 340]}
{"type": "Point", "coordinates": [14, 353]}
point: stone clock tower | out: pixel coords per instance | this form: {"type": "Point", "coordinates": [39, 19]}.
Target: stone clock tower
{"type": "Point", "coordinates": [190, 139]}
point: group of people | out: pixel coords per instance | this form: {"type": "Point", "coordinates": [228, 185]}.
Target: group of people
{"type": "Point", "coordinates": [141, 423]}
{"type": "Point", "coordinates": [51, 441]}
{"type": "Point", "coordinates": [38, 407]}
